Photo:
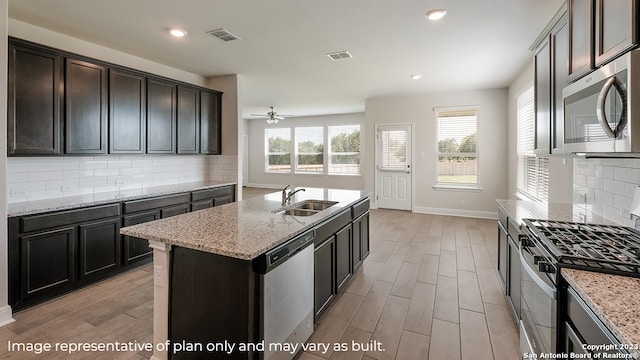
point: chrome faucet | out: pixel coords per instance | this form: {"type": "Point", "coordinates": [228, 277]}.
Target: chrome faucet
{"type": "Point", "coordinates": [291, 193]}
{"type": "Point", "coordinates": [284, 195]}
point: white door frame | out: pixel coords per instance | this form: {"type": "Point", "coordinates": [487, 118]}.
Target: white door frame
{"type": "Point", "coordinates": [411, 162]}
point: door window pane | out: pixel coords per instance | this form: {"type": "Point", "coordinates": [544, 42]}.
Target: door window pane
{"type": "Point", "coordinates": [344, 155]}
{"type": "Point", "coordinates": [278, 152]}
{"type": "Point", "coordinates": [310, 149]}
{"type": "Point", "coordinates": [393, 150]}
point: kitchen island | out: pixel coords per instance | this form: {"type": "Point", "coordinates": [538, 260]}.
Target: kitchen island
{"type": "Point", "coordinates": [207, 267]}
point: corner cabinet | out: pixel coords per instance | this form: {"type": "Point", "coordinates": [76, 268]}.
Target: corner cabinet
{"type": "Point", "coordinates": [34, 118]}
{"type": "Point", "coordinates": [57, 252]}
{"type": "Point", "coordinates": [210, 124]}
{"type": "Point", "coordinates": [62, 103]}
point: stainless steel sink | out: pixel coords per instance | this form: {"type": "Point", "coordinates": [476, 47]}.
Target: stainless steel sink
{"type": "Point", "coordinates": [300, 212]}
{"type": "Point", "coordinates": [305, 208]}
{"type": "Point", "coordinates": [317, 205]}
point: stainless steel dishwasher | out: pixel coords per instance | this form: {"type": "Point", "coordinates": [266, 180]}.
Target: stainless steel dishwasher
{"type": "Point", "coordinates": [286, 286]}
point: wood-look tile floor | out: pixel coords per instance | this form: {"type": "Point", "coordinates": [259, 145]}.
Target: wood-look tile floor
{"type": "Point", "coordinates": [428, 290]}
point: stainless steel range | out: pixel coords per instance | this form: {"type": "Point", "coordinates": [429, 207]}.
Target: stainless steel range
{"type": "Point", "coordinates": [546, 246]}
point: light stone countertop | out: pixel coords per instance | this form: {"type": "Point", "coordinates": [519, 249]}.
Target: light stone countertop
{"type": "Point", "coordinates": [614, 299]}
{"type": "Point", "coordinates": [80, 201]}
{"type": "Point", "coordinates": [522, 209]}
{"type": "Point", "coordinates": [244, 229]}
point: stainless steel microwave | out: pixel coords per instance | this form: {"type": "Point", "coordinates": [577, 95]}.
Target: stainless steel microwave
{"type": "Point", "coordinates": [602, 109]}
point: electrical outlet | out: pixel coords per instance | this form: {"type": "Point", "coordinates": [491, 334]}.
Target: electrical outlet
{"type": "Point", "coordinates": [18, 193]}
{"type": "Point", "coordinates": [626, 213]}
{"type": "Point", "coordinates": [119, 182]}
{"type": "Point", "coordinates": [158, 276]}
{"type": "Point", "coordinates": [65, 188]}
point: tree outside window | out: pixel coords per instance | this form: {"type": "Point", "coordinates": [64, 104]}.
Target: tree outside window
{"type": "Point", "coordinates": [344, 156]}
{"type": "Point", "coordinates": [278, 150]}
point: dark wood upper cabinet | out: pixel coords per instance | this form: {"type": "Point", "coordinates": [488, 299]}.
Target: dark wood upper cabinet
{"type": "Point", "coordinates": [542, 79]}
{"type": "Point", "coordinates": [188, 120]}
{"type": "Point", "coordinates": [616, 28]}
{"type": "Point", "coordinates": [34, 101]}
{"type": "Point", "coordinates": [560, 71]}
{"type": "Point", "coordinates": [581, 32]}
{"type": "Point", "coordinates": [85, 108]}
{"type": "Point", "coordinates": [210, 123]}
{"type": "Point", "coordinates": [161, 116]}
{"type": "Point", "coordinates": [127, 113]}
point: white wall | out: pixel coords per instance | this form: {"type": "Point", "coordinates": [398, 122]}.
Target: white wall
{"type": "Point", "coordinates": [5, 309]}
{"type": "Point", "coordinates": [492, 146]}
{"type": "Point", "coordinates": [257, 175]}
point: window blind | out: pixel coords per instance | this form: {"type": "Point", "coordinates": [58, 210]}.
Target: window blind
{"type": "Point", "coordinates": [394, 150]}
{"type": "Point", "coordinates": [533, 171]}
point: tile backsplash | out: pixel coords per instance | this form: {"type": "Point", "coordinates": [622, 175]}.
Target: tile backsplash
{"type": "Point", "coordinates": [608, 184]}
{"type": "Point", "coordinates": [38, 178]}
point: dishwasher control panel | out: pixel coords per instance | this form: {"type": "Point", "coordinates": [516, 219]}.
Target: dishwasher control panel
{"type": "Point", "coordinates": [279, 254]}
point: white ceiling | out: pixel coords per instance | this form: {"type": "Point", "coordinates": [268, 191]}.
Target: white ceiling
{"type": "Point", "coordinates": [480, 44]}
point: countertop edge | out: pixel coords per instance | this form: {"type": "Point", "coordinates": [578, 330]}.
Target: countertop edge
{"type": "Point", "coordinates": [245, 255]}
{"type": "Point", "coordinates": [117, 199]}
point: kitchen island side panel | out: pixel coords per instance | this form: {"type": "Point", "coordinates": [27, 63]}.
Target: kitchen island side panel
{"type": "Point", "coordinates": [212, 302]}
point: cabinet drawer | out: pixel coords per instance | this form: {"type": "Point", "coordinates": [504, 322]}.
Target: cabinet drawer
{"type": "Point", "coordinates": [63, 218]}
{"type": "Point", "coordinates": [211, 193]}
{"type": "Point", "coordinates": [330, 227]}
{"type": "Point", "coordinates": [360, 208]}
{"type": "Point", "coordinates": [154, 203]}
{"type": "Point", "coordinates": [586, 323]}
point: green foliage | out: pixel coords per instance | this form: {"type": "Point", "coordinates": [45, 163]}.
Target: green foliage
{"type": "Point", "coordinates": [346, 143]}
{"type": "Point", "coordinates": [278, 144]}
{"type": "Point", "coordinates": [451, 146]}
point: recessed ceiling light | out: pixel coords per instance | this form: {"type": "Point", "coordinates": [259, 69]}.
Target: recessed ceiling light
{"type": "Point", "coordinates": [416, 76]}
{"type": "Point", "coordinates": [436, 14]}
{"type": "Point", "coordinates": [178, 33]}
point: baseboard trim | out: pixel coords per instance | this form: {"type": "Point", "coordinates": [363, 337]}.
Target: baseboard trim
{"type": "Point", "coordinates": [456, 212]}
{"type": "Point", "coordinates": [6, 315]}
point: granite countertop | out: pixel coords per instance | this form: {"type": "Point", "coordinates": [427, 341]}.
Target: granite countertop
{"type": "Point", "coordinates": [244, 229]}
{"type": "Point", "coordinates": [614, 299]}
{"type": "Point", "coordinates": [523, 209]}
{"type": "Point", "coordinates": [80, 201]}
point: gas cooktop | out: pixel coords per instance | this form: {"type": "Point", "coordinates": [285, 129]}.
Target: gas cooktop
{"type": "Point", "coordinates": [606, 248]}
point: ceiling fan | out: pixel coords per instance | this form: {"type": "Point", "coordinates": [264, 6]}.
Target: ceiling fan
{"type": "Point", "coordinates": [272, 116]}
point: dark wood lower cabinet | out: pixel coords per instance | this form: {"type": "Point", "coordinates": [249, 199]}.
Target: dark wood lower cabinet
{"type": "Point", "coordinates": [47, 262]}
{"type": "Point", "coordinates": [343, 256]}
{"type": "Point", "coordinates": [57, 252]}
{"type": "Point", "coordinates": [324, 279]}
{"type": "Point", "coordinates": [136, 248]}
{"type": "Point", "coordinates": [99, 247]}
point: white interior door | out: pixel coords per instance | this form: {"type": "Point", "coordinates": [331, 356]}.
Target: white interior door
{"type": "Point", "coordinates": [393, 168]}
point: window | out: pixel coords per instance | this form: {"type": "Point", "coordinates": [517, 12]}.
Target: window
{"type": "Point", "coordinates": [278, 149]}
{"type": "Point", "coordinates": [393, 152]}
{"type": "Point", "coordinates": [344, 150]}
{"type": "Point", "coordinates": [457, 147]}
{"type": "Point", "coordinates": [310, 149]}
{"type": "Point", "coordinates": [533, 171]}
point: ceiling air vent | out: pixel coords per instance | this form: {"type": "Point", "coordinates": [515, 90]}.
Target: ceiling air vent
{"type": "Point", "coordinates": [339, 55]}
{"type": "Point", "coordinates": [223, 34]}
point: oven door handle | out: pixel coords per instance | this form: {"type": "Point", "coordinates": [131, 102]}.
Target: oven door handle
{"type": "Point", "coordinates": [552, 292]}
